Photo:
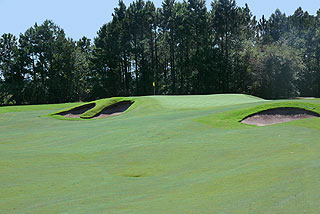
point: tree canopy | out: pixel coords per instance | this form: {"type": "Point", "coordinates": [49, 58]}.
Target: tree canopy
{"type": "Point", "coordinates": [183, 46]}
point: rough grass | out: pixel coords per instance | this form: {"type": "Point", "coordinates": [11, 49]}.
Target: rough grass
{"type": "Point", "coordinates": [158, 158]}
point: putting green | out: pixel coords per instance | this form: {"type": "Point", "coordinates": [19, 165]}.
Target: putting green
{"type": "Point", "coordinates": [166, 155]}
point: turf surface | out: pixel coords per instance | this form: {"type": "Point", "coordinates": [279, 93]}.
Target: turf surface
{"type": "Point", "coordinates": [166, 155]}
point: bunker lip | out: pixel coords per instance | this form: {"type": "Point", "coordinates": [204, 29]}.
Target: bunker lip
{"type": "Point", "coordinates": [114, 109]}
{"type": "Point", "coordinates": [278, 115]}
{"type": "Point", "coordinates": [77, 111]}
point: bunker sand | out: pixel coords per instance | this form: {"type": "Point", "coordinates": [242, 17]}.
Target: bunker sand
{"type": "Point", "coordinates": [115, 109]}
{"type": "Point", "coordinates": [278, 115]}
{"type": "Point", "coordinates": [78, 111]}
{"type": "Point", "coordinates": [112, 110]}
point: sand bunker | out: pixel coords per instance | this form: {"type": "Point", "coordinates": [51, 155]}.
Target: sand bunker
{"type": "Point", "coordinates": [111, 110]}
{"type": "Point", "coordinates": [76, 112]}
{"type": "Point", "coordinates": [278, 115]}
{"type": "Point", "coordinates": [114, 109]}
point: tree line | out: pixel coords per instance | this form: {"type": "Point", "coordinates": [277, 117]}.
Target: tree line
{"type": "Point", "coordinates": [184, 47]}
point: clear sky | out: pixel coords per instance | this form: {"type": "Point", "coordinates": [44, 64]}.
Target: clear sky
{"type": "Point", "coordinates": [84, 18]}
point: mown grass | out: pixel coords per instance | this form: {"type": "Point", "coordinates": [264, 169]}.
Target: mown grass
{"type": "Point", "coordinates": [158, 158]}
{"type": "Point", "coordinates": [23, 108]}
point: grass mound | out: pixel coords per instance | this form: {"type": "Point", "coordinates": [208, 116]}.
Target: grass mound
{"type": "Point", "coordinates": [232, 119]}
{"type": "Point", "coordinates": [114, 109]}
{"type": "Point", "coordinates": [103, 104]}
{"type": "Point", "coordinates": [96, 109]}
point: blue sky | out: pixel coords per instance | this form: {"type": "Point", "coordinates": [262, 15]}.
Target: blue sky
{"type": "Point", "coordinates": [84, 18]}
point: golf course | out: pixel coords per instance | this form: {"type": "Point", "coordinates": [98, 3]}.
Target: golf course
{"type": "Point", "coordinates": [160, 154]}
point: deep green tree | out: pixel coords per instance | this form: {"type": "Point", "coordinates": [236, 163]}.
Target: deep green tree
{"type": "Point", "coordinates": [244, 42]}
{"type": "Point", "coordinates": [277, 26]}
{"type": "Point", "coordinates": [142, 21]}
{"type": "Point", "coordinates": [276, 69]}
{"type": "Point", "coordinates": [11, 71]}
{"type": "Point", "coordinates": [105, 77]}
{"type": "Point", "coordinates": [181, 46]}
{"type": "Point", "coordinates": [49, 62]}
{"type": "Point", "coordinates": [168, 30]}
{"type": "Point", "coordinates": [226, 16]}
{"type": "Point", "coordinates": [82, 65]}
{"type": "Point", "coordinates": [200, 47]}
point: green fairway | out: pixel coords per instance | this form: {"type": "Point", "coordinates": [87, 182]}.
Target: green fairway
{"type": "Point", "coordinates": [166, 154]}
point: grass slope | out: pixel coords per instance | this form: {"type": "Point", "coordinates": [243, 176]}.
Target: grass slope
{"type": "Point", "coordinates": [159, 158]}
{"type": "Point", "coordinates": [231, 119]}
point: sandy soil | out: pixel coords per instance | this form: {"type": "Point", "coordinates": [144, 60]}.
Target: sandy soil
{"type": "Point", "coordinates": [305, 98]}
{"type": "Point", "coordinates": [76, 112]}
{"type": "Point", "coordinates": [115, 109]}
{"type": "Point", "coordinates": [278, 115]}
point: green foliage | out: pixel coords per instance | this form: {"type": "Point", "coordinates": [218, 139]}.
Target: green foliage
{"type": "Point", "coordinates": [82, 65]}
{"type": "Point", "coordinates": [47, 57]}
{"type": "Point", "coordinates": [11, 71]}
{"type": "Point", "coordinates": [276, 69]}
{"type": "Point", "coordinates": [44, 66]}
{"type": "Point", "coordinates": [182, 46]}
